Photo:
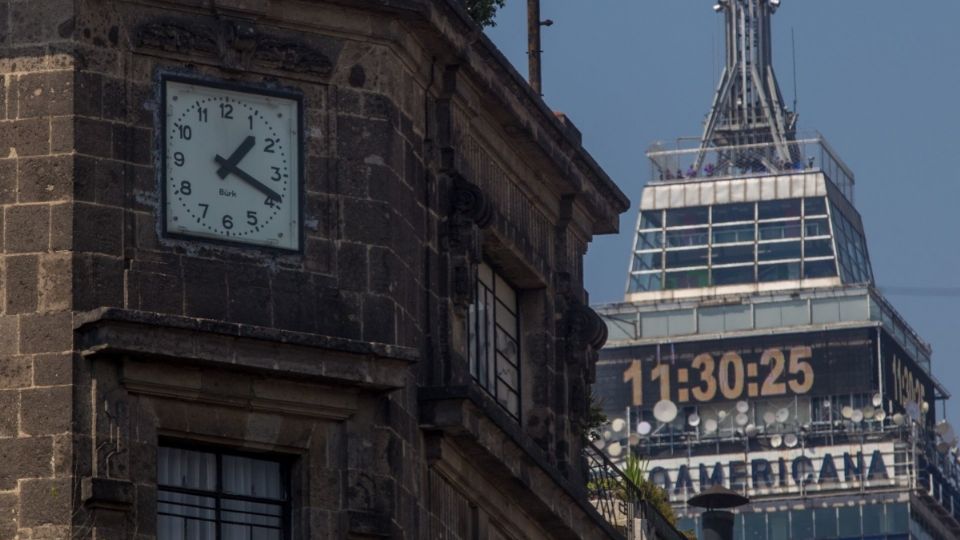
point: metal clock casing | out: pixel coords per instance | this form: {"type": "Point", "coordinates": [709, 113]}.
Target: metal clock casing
{"type": "Point", "coordinates": [231, 161]}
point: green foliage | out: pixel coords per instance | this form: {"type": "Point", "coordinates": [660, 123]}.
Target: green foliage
{"type": "Point", "coordinates": [595, 418]}
{"type": "Point", "coordinates": [636, 471]}
{"type": "Point", "coordinates": [484, 11]}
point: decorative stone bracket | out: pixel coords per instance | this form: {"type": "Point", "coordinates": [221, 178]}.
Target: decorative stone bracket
{"type": "Point", "coordinates": [470, 211]}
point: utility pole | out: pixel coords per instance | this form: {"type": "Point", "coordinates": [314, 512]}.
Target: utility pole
{"type": "Point", "coordinates": [533, 45]}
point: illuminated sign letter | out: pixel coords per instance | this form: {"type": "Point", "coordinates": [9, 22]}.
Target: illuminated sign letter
{"type": "Point", "coordinates": [878, 469]}
{"type": "Point", "coordinates": [738, 475]}
{"type": "Point", "coordinates": [803, 471]}
{"type": "Point", "coordinates": [828, 471]}
{"type": "Point", "coordinates": [852, 471]}
{"type": "Point", "coordinates": [708, 480]}
{"type": "Point", "coordinates": [684, 482]}
{"type": "Point", "coordinates": [760, 472]}
{"type": "Point", "coordinates": [660, 477]}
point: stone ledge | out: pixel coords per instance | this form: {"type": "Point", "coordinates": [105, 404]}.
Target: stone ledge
{"type": "Point", "coordinates": [120, 332]}
{"type": "Point", "coordinates": [107, 493]}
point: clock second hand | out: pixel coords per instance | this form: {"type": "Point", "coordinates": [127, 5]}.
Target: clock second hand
{"type": "Point", "coordinates": [231, 168]}
{"type": "Point", "coordinates": [237, 155]}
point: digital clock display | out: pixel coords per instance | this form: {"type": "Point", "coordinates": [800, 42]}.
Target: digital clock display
{"type": "Point", "coordinates": [820, 363]}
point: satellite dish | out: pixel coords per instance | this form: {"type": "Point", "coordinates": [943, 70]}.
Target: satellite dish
{"type": "Point", "coordinates": [847, 412]}
{"type": "Point", "coordinates": [925, 407]}
{"type": "Point", "coordinates": [742, 419]}
{"type": "Point", "coordinates": [827, 404]}
{"type": "Point", "coordinates": [614, 449]}
{"type": "Point", "coordinates": [709, 425]}
{"type": "Point", "coordinates": [776, 441]}
{"type": "Point", "coordinates": [898, 419]}
{"type": "Point", "coordinates": [857, 416]}
{"type": "Point", "coordinates": [665, 411]}
{"type": "Point", "coordinates": [634, 439]}
{"type": "Point", "coordinates": [600, 443]}
{"type": "Point", "coordinates": [607, 434]}
{"type": "Point", "coordinates": [880, 416]}
{"type": "Point", "coordinates": [750, 430]}
{"type": "Point", "coordinates": [693, 420]}
{"type": "Point", "coordinates": [790, 440]}
{"type": "Point", "coordinates": [943, 447]}
{"type": "Point", "coordinates": [782, 415]}
{"type": "Point", "coordinates": [769, 417]}
{"type": "Point", "coordinates": [644, 428]}
{"type": "Point", "coordinates": [618, 424]}
{"type": "Point", "coordinates": [743, 406]}
{"type": "Point", "coordinates": [877, 400]}
{"type": "Point", "coordinates": [869, 412]}
{"type": "Point", "coordinates": [942, 427]}
{"type": "Point", "coordinates": [721, 414]}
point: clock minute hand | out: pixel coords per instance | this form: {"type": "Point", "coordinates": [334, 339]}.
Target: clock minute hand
{"type": "Point", "coordinates": [231, 168]}
{"type": "Point", "coordinates": [236, 156]}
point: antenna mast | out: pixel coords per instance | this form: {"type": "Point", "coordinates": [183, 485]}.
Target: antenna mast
{"type": "Point", "coordinates": [748, 115]}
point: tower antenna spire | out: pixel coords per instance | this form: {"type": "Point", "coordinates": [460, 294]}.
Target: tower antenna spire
{"type": "Point", "coordinates": [748, 117]}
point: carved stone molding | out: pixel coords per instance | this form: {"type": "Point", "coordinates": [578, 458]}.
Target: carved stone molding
{"type": "Point", "coordinates": [470, 211]}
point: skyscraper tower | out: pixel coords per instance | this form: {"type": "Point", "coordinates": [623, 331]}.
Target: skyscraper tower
{"type": "Point", "coordinates": [752, 348]}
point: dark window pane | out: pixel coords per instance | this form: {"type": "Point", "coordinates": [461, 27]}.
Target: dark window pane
{"type": "Point", "coordinates": [687, 237]}
{"type": "Point", "coordinates": [778, 209]}
{"type": "Point", "coordinates": [819, 269]}
{"type": "Point", "coordinates": [725, 213]}
{"type": "Point", "coordinates": [778, 272]}
{"type": "Point", "coordinates": [647, 261]}
{"type": "Point", "coordinates": [652, 219]}
{"type": "Point", "coordinates": [897, 519]}
{"type": "Point", "coordinates": [801, 525]}
{"type": "Point", "coordinates": [755, 526]}
{"type": "Point", "coordinates": [815, 206]}
{"type": "Point", "coordinates": [731, 234]}
{"type": "Point", "coordinates": [778, 526]}
{"type": "Point", "coordinates": [848, 521]}
{"type": "Point", "coordinates": [826, 522]}
{"type": "Point", "coordinates": [733, 276]}
{"type": "Point", "coordinates": [645, 282]}
{"type": "Point", "coordinates": [778, 251]}
{"type": "Point", "coordinates": [732, 254]}
{"type": "Point", "coordinates": [689, 279]}
{"type": "Point", "coordinates": [818, 248]}
{"type": "Point", "coordinates": [650, 240]}
{"type": "Point", "coordinates": [686, 258]}
{"type": "Point", "coordinates": [873, 519]}
{"type": "Point", "coordinates": [817, 227]}
{"type": "Point", "coordinates": [779, 231]}
{"type": "Point", "coordinates": [687, 216]}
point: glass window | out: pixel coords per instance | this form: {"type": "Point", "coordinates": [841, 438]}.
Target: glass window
{"type": "Point", "coordinates": [651, 260]}
{"type": "Point", "coordinates": [755, 526]}
{"type": "Point", "coordinates": [779, 230]}
{"type": "Point", "coordinates": [778, 209]}
{"type": "Point", "coordinates": [897, 519]}
{"type": "Point", "coordinates": [650, 240]}
{"type": "Point", "coordinates": [825, 520]}
{"type": "Point", "coordinates": [689, 279]}
{"type": "Point", "coordinates": [732, 254]}
{"type": "Point", "coordinates": [687, 237]}
{"type": "Point", "coordinates": [815, 206]}
{"type": "Point", "coordinates": [652, 219]}
{"type": "Point", "coordinates": [645, 282]}
{"type": "Point", "coordinates": [727, 213]}
{"type": "Point", "coordinates": [733, 276]}
{"type": "Point", "coordinates": [848, 521]}
{"type": "Point", "coordinates": [778, 526]}
{"type": "Point", "coordinates": [819, 269]}
{"type": "Point", "coordinates": [778, 251]}
{"type": "Point", "coordinates": [801, 525]}
{"type": "Point", "coordinates": [872, 519]}
{"type": "Point", "coordinates": [817, 227]}
{"type": "Point", "coordinates": [697, 215]}
{"type": "Point", "coordinates": [733, 233]}
{"type": "Point", "coordinates": [778, 272]}
{"type": "Point", "coordinates": [818, 248]}
{"type": "Point", "coordinates": [204, 495]}
{"type": "Point", "coordinates": [686, 258]}
{"type": "Point", "coordinates": [494, 347]}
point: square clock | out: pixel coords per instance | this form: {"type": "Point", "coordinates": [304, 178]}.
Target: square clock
{"type": "Point", "coordinates": [231, 161]}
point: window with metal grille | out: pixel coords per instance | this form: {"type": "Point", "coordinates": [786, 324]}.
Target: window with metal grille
{"type": "Point", "coordinates": [494, 348]}
{"type": "Point", "coordinates": [205, 494]}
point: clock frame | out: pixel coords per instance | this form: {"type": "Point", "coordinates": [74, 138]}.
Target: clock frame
{"type": "Point", "coordinates": [228, 168]}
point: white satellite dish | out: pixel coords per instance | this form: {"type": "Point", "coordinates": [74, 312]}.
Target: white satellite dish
{"type": "Point", "coordinates": [880, 416]}
{"type": "Point", "coordinates": [857, 416]}
{"type": "Point", "coordinates": [709, 425]}
{"type": "Point", "coordinates": [776, 440]}
{"type": "Point", "coordinates": [618, 424]}
{"type": "Point", "coordinates": [614, 449]}
{"type": "Point", "coordinates": [693, 420]}
{"type": "Point", "coordinates": [898, 419]}
{"type": "Point", "coordinates": [869, 412]}
{"type": "Point", "coordinates": [925, 407]}
{"type": "Point", "coordinates": [877, 400]}
{"type": "Point", "coordinates": [600, 443]}
{"type": "Point", "coordinates": [721, 415]}
{"type": "Point", "coordinates": [847, 412]}
{"type": "Point", "coordinates": [743, 407]}
{"type": "Point", "coordinates": [942, 427]}
{"type": "Point", "coordinates": [769, 418]}
{"type": "Point", "coordinates": [634, 439]}
{"type": "Point", "coordinates": [644, 428]}
{"type": "Point", "coordinates": [750, 430]}
{"type": "Point", "coordinates": [742, 419]}
{"type": "Point", "coordinates": [790, 440]}
{"type": "Point", "coordinates": [783, 415]}
{"type": "Point", "coordinates": [943, 447]}
{"type": "Point", "coordinates": [607, 434]}
{"type": "Point", "coordinates": [665, 411]}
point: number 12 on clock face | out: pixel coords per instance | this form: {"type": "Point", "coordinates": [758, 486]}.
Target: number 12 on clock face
{"type": "Point", "coordinates": [231, 163]}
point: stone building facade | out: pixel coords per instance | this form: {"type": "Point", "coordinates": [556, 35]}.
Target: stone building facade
{"type": "Point", "coordinates": [142, 374]}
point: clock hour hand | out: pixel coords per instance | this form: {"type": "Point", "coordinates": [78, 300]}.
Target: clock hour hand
{"type": "Point", "coordinates": [232, 168]}
{"type": "Point", "coordinates": [236, 156]}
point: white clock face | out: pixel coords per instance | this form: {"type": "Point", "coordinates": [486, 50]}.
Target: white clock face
{"type": "Point", "coordinates": [232, 165]}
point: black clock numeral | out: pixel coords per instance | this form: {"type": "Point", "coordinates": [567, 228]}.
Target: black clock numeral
{"type": "Point", "coordinates": [226, 111]}
{"type": "Point", "coordinates": [250, 118]}
{"type": "Point", "coordinates": [185, 132]}
{"type": "Point", "coordinates": [202, 114]}
{"type": "Point", "coordinates": [252, 218]}
{"type": "Point", "coordinates": [178, 159]}
{"type": "Point", "coordinates": [269, 147]}
{"type": "Point", "coordinates": [276, 174]}
{"type": "Point", "coordinates": [185, 188]}
{"type": "Point", "coordinates": [228, 221]}
{"type": "Point", "coordinates": [270, 202]}
{"type": "Point", "coordinates": [205, 208]}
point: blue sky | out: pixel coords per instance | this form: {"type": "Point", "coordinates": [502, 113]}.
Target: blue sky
{"type": "Point", "coordinates": [879, 78]}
